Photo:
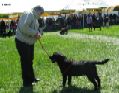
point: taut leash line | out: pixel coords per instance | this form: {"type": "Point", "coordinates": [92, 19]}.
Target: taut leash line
{"type": "Point", "coordinates": [43, 48]}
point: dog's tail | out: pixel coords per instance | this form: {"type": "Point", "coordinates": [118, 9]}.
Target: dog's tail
{"type": "Point", "coordinates": [102, 62]}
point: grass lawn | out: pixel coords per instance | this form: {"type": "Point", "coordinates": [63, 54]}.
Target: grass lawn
{"type": "Point", "coordinates": [111, 31]}
{"type": "Point", "coordinates": [49, 73]}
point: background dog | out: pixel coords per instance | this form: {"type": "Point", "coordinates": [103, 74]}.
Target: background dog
{"type": "Point", "coordinates": [71, 68]}
{"type": "Point", "coordinates": [63, 31]}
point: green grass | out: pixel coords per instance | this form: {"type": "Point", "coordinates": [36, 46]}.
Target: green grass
{"type": "Point", "coordinates": [111, 31]}
{"type": "Point", "coordinates": [10, 71]}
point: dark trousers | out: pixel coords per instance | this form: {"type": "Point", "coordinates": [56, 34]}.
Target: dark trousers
{"type": "Point", "coordinates": [26, 53]}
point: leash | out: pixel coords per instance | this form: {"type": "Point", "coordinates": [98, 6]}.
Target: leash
{"type": "Point", "coordinates": [45, 52]}
{"type": "Point", "coordinates": [43, 48]}
{"type": "Point", "coordinates": [66, 70]}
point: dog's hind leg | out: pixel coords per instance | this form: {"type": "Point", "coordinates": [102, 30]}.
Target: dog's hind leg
{"type": "Point", "coordinates": [64, 80]}
{"type": "Point", "coordinates": [92, 79]}
{"type": "Point", "coordinates": [69, 80]}
{"type": "Point", "coordinates": [98, 81]}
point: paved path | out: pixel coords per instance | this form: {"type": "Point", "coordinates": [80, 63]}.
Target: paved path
{"type": "Point", "coordinates": [100, 38]}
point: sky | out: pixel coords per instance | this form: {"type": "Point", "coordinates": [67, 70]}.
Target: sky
{"type": "Point", "coordinates": [51, 5]}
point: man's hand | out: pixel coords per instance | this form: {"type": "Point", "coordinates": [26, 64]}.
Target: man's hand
{"type": "Point", "coordinates": [38, 35]}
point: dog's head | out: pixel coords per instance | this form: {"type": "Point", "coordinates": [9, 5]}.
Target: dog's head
{"type": "Point", "coordinates": [57, 57]}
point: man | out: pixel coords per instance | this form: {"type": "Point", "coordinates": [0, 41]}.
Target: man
{"type": "Point", "coordinates": [26, 35]}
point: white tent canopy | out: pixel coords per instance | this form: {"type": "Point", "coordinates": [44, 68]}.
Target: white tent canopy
{"type": "Point", "coordinates": [80, 5]}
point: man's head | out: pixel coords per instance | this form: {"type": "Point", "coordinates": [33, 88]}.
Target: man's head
{"type": "Point", "coordinates": [38, 10]}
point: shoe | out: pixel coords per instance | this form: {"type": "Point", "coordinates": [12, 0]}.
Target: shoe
{"type": "Point", "coordinates": [36, 80]}
{"type": "Point", "coordinates": [33, 83]}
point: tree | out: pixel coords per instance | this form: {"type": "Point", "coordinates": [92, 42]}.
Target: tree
{"type": "Point", "coordinates": [4, 15]}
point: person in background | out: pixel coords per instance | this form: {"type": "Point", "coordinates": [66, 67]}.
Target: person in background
{"type": "Point", "coordinates": [89, 22]}
{"type": "Point", "coordinates": [2, 28]}
{"type": "Point", "coordinates": [27, 33]}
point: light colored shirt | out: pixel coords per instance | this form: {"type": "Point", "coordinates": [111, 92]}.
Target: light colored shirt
{"type": "Point", "coordinates": [89, 19]}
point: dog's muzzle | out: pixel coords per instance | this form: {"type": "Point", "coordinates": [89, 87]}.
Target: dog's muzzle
{"type": "Point", "coordinates": [51, 58]}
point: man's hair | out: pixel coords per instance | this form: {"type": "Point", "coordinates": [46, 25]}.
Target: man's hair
{"type": "Point", "coordinates": [38, 8]}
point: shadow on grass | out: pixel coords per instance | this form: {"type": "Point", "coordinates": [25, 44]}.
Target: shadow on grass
{"type": "Point", "coordinates": [26, 90]}
{"type": "Point", "coordinates": [74, 89]}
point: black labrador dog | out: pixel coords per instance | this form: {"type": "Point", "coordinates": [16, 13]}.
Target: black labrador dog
{"type": "Point", "coordinates": [63, 31]}
{"type": "Point", "coordinates": [71, 68]}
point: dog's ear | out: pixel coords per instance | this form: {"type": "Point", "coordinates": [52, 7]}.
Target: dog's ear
{"type": "Point", "coordinates": [64, 57]}
{"type": "Point", "coordinates": [56, 53]}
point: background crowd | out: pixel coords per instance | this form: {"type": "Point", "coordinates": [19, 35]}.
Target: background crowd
{"type": "Point", "coordinates": [81, 21]}
{"type": "Point", "coordinates": [72, 21]}
{"type": "Point", "coordinates": [8, 28]}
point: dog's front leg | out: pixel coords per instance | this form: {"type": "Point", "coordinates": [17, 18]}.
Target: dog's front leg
{"type": "Point", "coordinates": [64, 80]}
{"type": "Point", "coordinates": [69, 81]}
